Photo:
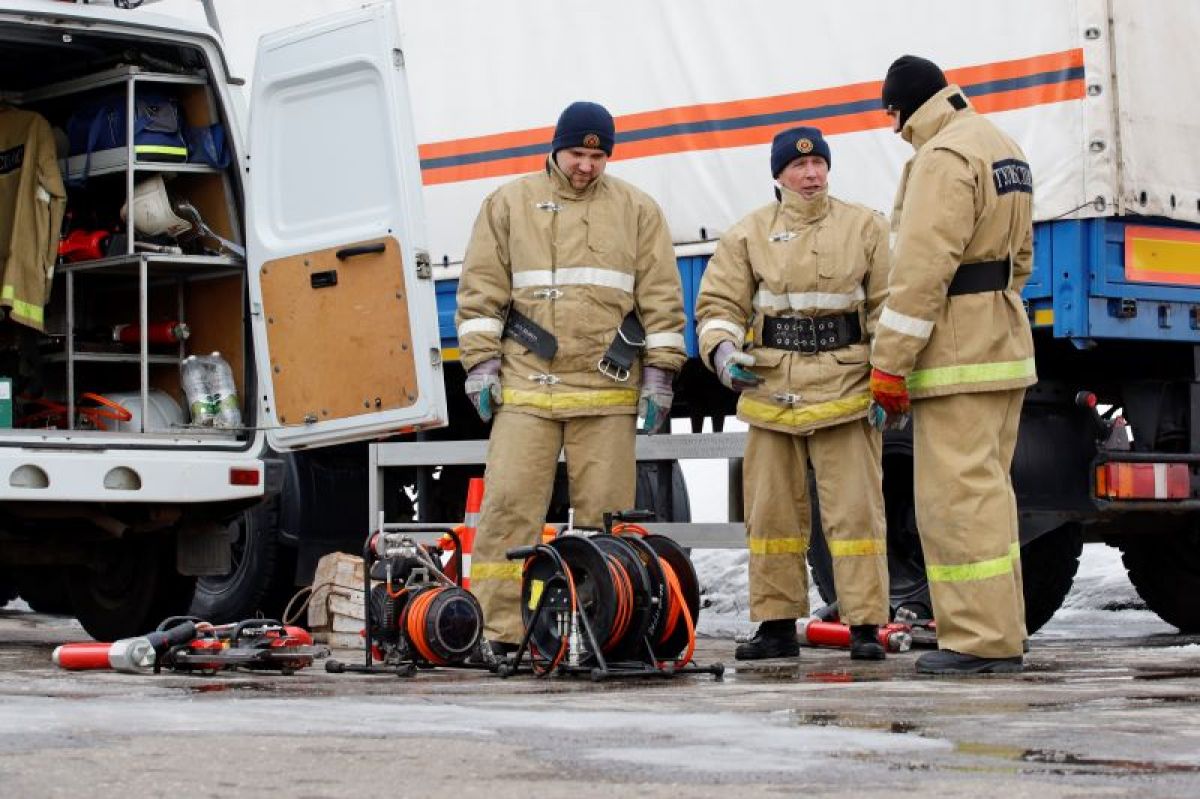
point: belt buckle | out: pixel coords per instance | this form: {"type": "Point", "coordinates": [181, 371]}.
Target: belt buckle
{"type": "Point", "coordinates": [612, 370]}
{"type": "Point", "coordinates": [812, 327]}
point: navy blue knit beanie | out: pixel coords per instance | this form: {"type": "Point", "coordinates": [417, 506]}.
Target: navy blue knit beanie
{"type": "Point", "coordinates": [910, 81]}
{"type": "Point", "coordinates": [584, 124]}
{"type": "Point", "coordinates": [796, 143]}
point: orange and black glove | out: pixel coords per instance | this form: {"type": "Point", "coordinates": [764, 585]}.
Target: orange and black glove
{"type": "Point", "coordinates": [890, 406]}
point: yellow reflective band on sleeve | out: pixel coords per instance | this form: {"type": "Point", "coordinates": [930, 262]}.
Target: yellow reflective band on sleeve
{"type": "Point", "coordinates": [777, 546]}
{"type": "Point", "coordinates": [508, 570]}
{"type": "Point", "coordinates": [971, 373]}
{"type": "Point", "coordinates": [857, 546]}
{"type": "Point", "coordinates": [25, 310]}
{"type": "Point", "coordinates": [570, 400]}
{"type": "Point", "coordinates": [979, 570]}
{"type": "Point", "coordinates": [759, 411]}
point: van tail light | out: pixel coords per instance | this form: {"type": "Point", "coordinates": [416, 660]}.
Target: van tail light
{"type": "Point", "coordinates": [1116, 480]}
{"type": "Point", "coordinates": [244, 477]}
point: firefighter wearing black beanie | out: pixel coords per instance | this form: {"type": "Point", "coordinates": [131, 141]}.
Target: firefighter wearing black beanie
{"type": "Point", "coordinates": [910, 81]}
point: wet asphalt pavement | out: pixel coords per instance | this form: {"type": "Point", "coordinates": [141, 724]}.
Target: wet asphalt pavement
{"type": "Point", "coordinates": [1093, 715]}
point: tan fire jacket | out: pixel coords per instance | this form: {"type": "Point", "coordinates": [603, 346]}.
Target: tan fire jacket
{"type": "Point", "coordinates": [965, 197]}
{"type": "Point", "coordinates": [32, 202]}
{"type": "Point", "coordinates": [797, 257]}
{"type": "Point", "coordinates": [575, 262]}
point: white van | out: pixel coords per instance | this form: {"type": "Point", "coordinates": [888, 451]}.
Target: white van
{"type": "Point", "coordinates": [289, 242]}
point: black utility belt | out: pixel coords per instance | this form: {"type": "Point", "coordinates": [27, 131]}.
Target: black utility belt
{"type": "Point", "coordinates": [811, 334]}
{"type": "Point", "coordinates": [979, 277]}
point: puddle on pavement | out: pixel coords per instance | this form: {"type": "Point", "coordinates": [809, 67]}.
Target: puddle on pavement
{"type": "Point", "coordinates": [898, 727]}
{"type": "Point", "coordinates": [1069, 763]}
{"type": "Point", "coordinates": [1091, 765]}
{"type": "Point", "coordinates": [1167, 674]}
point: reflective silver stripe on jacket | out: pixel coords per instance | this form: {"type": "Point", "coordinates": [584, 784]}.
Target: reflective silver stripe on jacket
{"type": "Point", "coordinates": [574, 276]}
{"type": "Point", "coordinates": [903, 323]}
{"type": "Point", "coordinates": [484, 324]}
{"type": "Point", "coordinates": [663, 340]}
{"type": "Point", "coordinates": [766, 300]}
{"type": "Point", "coordinates": [737, 331]}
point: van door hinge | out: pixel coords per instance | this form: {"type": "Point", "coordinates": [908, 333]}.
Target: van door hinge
{"type": "Point", "coordinates": [424, 270]}
{"type": "Point", "coordinates": [398, 58]}
{"type": "Point", "coordinates": [435, 356]}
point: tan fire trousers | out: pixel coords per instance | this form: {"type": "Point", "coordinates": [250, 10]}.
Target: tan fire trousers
{"type": "Point", "coordinates": [849, 476]}
{"type": "Point", "coordinates": [522, 456]}
{"type": "Point", "coordinates": [967, 514]}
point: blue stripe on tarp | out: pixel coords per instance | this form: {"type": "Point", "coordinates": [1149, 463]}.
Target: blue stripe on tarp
{"type": "Point", "coordinates": [756, 120]}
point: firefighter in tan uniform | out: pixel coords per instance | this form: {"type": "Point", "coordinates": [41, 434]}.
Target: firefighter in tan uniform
{"type": "Point", "coordinates": [786, 309]}
{"type": "Point", "coordinates": [955, 338]}
{"type": "Point", "coordinates": [570, 300]}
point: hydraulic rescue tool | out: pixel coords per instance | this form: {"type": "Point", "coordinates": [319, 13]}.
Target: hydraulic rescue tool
{"type": "Point", "coordinates": [188, 644]}
{"type": "Point", "coordinates": [129, 655]}
{"type": "Point", "coordinates": [616, 603]}
{"type": "Point", "coordinates": [418, 615]}
{"type": "Point", "coordinates": [253, 644]}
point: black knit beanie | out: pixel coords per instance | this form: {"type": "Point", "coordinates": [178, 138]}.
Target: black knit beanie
{"type": "Point", "coordinates": [584, 124]}
{"type": "Point", "coordinates": [910, 81]}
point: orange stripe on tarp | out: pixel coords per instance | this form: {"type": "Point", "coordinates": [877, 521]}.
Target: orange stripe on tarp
{"type": "Point", "coordinates": [842, 123]}
{"type": "Point", "coordinates": [1162, 255]}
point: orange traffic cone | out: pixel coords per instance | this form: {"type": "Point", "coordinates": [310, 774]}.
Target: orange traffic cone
{"type": "Point", "coordinates": [470, 523]}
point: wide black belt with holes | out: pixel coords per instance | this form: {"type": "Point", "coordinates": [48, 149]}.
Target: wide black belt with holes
{"type": "Point", "coordinates": [811, 334]}
{"type": "Point", "coordinates": [979, 277]}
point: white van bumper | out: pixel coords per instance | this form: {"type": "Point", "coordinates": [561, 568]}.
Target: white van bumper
{"type": "Point", "coordinates": [29, 475]}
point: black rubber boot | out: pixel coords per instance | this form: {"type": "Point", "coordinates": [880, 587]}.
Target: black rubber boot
{"type": "Point", "coordinates": [864, 643]}
{"type": "Point", "coordinates": [947, 661]}
{"type": "Point", "coordinates": [774, 639]}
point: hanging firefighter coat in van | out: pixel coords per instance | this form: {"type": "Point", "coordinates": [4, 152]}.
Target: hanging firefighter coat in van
{"type": "Point", "coordinates": [575, 263]}
{"type": "Point", "coordinates": [32, 202]}
{"type": "Point", "coordinates": [962, 217]}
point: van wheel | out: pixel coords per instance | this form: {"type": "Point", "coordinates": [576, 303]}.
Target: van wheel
{"type": "Point", "coordinates": [1165, 570]}
{"type": "Point", "coordinates": [44, 589]}
{"type": "Point", "coordinates": [262, 574]}
{"type": "Point", "coordinates": [114, 595]}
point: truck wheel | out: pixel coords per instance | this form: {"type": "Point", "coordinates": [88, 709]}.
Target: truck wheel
{"type": "Point", "coordinates": [1048, 566]}
{"type": "Point", "coordinates": [677, 507]}
{"type": "Point", "coordinates": [1165, 570]}
{"type": "Point", "coordinates": [115, 595]}
{"type": "Point", "coordinates": [262, 572]}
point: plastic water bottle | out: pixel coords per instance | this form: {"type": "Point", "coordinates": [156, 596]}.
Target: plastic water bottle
{"type": "Point", "coordinates": [193, 374]}
{"type": "Point", "coordinates": [224, 392]}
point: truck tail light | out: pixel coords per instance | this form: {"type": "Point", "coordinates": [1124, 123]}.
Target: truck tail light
{"type": "Point", "coordinates": [1115, 480]}
{"type": "Point", "coordinates": [243, 477]}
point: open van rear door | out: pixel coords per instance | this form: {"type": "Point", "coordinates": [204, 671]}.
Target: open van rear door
{"type": "Point", "coordinates": [344, 316]}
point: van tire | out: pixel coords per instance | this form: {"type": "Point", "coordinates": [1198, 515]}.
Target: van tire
{"type": "Point", "coordinates": [1165, 570]}
{"type": "Point", "coordinates": [116, 594]}
{"type": "Point", "coordinates": [263, 571]}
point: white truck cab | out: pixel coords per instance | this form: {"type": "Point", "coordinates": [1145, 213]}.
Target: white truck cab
{"type": "Point", "coordinates": [293, 247]}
